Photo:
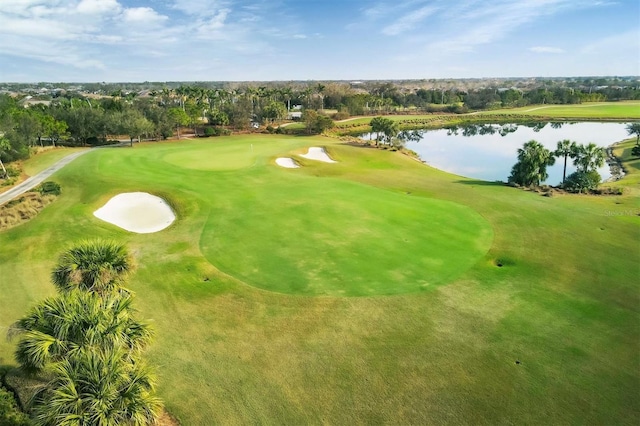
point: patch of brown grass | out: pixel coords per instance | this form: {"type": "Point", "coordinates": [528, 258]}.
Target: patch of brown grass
{"type": "Point", "coordinates": [22, 209]}
{"type": "Point", "coordinates": [166, 419]}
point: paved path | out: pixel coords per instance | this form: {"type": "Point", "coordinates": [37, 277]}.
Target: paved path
{"type": "Point", "coordinates": [39, 178]}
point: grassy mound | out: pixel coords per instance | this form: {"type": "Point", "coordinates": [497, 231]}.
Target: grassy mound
{"type": "Point", "coordinates": [328, 237]}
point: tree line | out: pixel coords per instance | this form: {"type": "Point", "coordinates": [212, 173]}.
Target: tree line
{"type": "Point", "coordinates": [72, 117]}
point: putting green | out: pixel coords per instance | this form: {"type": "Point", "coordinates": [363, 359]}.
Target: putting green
{"type": "Point", "coordinates": [331, 237]}
{"type": "Point", "coordinates": [226, 154]}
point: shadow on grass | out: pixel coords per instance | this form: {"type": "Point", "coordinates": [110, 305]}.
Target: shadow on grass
{"type": "Point", "coordinates": [481, 182]}
{"type": "Point", "coordinates": [4, 371]}
{"type": "Point", "coordinates": [21, 385]}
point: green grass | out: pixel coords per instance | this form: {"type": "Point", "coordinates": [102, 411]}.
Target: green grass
{"type": "Point", "coordinates": [245, 288]}
{"type": "Point", "coordinates": [605, 110]}
{"type": "Point", "coordinates": [329, 237]}
{"type": "Point", "coordinates": [40, 161]}
{"type": "Point", "coordinates": [587, 111]}
{"type": "Point", "coordinates": [630, 164]}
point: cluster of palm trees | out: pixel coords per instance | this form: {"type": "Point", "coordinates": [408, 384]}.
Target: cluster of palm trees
{"type": "Point", "coordinates": [311, 97]}
{"type": "Point", "coordinates": [634, 130]}
{"type": "Point", "coordinates": [85, 344]}
{"type": "Point", "coordinates": [533, 159]}
{"type": "Point", "coordinates": [384, 128]}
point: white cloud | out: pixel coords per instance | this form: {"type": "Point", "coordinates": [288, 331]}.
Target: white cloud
{"type": "Point", "coordinates": [143, 15]}
{"type": "Point", "coordinates": [210, 28]}
{"type": "Point", "coordinates": [200, 7]}
{"type": "Point", "coordinates": [107, 39]}
{"type": "Point", "coordinates": [376, 11]}
{"type": "Point", "coordinates": [628, 41]}
{"type": "Point", "coordinates": [483, 23]}
{"type": "Point", "coordinates": [18, 7]}
{"type": "Point", "coordinates": [46, 51]}
{"type": "Point", "coordinates": [299, 36]}
{"type": "Point", "coordinates": [52, 30]}
{"type": "Point", "coordinates": [546, 49]}
{"type": "Point", "coordinates": [409, 21]}
{"type": "Point", "coordinates": [97, 7]}
{"type": "Point", "coordinates": [73, 33]}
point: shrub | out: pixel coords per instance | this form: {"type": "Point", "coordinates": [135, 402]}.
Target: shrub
{"type": "Point", "coordinates": [342, 115]}
{"type": "Point", "coordinates": [13, 171]}
{"type": "Point", "coordinates": [457, 109]}
{"type": "Point", "coordinates": [635, 151]}
{"type": "Point", "coordinates": [582, 181]}
{"type": "Point", "coordinates": [614, 190]}
{"type": "Point", "coordinates": [49, 187]}
{"type": "Point", "coordinates": [8, 181]}
{"type": "Point", "coordinates": [10, 415]}
{"type": "Point", "coordinates": [270, 129]}
{"type": "Point", "coordinates": [216, 131]}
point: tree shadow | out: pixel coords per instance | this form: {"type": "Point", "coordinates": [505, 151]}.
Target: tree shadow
{"type": "Point", "coordinates": [23, 386]}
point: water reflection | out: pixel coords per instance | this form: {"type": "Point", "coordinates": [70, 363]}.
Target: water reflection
{"type": "Point", "coordinates": [488, 151]}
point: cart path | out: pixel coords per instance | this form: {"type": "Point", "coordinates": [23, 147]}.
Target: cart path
{"type": "Point", "coordinates": [35, 180]}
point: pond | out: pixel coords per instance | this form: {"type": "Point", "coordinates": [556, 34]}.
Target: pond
{"type": "Point", "coordinates": [489, 151]}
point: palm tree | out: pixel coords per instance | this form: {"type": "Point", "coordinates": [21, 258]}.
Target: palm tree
{"type": "Point", "coordinates": [384, 127]}
{"type": "Point", "coordinates": [62, 326]}
{"type": "Point", "coordinates": [97, 388]}
{"type": "Point", "coordinates": [87, 344]}
{"type": "Point", "coordinates": [287, 93]}
{"type": "Point", "coordinates": [183, 93]}
{"type": "Point", "coordinates": [320, 90]}
{"type": "Point", "coordinates": [634, 129]}
{"type": "Point", "coordinates": [588, 158]}
{"type": "Point", "coordinates": [306, 94]}
{"type": "Point", "coordinates": [566, 148]}
{"type": "Point", "coordinates": [96, 266]}
{"type": "Point", "coordinates": [531, 168]}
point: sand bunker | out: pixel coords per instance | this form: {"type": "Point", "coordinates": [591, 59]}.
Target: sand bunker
{"type": "Point", "coordinates": [287, 163]}
{"type": "Point", "coordinates": [318, 154]}
{"type": "Point", "coordinates": [137, 212]}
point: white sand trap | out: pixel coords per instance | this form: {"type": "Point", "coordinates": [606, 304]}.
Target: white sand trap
{"type": "Point", "coordinates": [287, 163]}
{"type": "Point", "coordinates": [318, 154]}
{"type": "Point", "coordinates": [137, 212]}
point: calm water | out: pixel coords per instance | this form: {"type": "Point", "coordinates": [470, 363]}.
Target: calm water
{"type": "Point", "coordinates": [491, 156]}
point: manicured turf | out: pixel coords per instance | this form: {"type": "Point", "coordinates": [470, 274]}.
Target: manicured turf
{"type": "Point", "coordinates": [631, 166]}
{"type": "Point", "coordinates": [619, 110]}
{"type": "Point", "coordinates": [552, 336]}
{"type": "Point", "coordinates": [590, 110]}
{"type": "Point", "coordinates": [41, 161]}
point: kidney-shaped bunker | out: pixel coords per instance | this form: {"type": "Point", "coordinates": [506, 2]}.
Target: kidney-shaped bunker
{"type": "Point", "coordinates": [138, 212]}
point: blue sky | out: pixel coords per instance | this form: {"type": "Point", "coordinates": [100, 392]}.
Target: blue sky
{"type": "Point", "coordinates": [233, 40]}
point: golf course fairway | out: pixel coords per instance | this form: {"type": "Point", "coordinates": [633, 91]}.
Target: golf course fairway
{"type": "Point", "coordinates": [371, 290]}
